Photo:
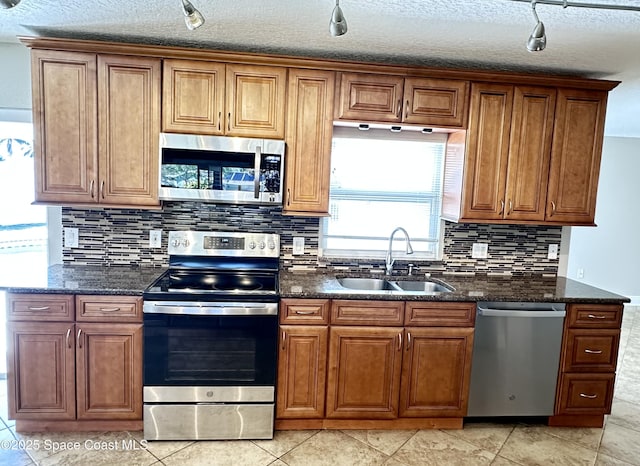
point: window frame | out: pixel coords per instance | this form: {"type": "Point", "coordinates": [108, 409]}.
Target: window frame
{"type": "Point", "coordinates": [382, 132]}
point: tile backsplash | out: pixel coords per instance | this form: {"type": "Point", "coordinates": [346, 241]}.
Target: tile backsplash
{"type": "Point", "coordinates": [112, 237]}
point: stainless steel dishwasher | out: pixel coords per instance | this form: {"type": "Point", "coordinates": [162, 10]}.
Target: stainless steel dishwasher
{"type": "Point", "coordinates": [516, 354]}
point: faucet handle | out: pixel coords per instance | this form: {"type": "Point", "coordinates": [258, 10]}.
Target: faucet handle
{"type": "Point", "coordinates": [410, 270]}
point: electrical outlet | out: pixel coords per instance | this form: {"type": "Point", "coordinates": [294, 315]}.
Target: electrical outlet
{"type": "Point", "coordinates": [580, 273]}
{"type": "Point", "coordinates": [155, 238]}
{"type": "Point", "coordinates": [70, 237]}
{"type": "Point", "coordinates": [552, 253]}
{"type": "Point", "coordinates": [479, 251]}
{"type": "Point", "coordinates": [298, 245]}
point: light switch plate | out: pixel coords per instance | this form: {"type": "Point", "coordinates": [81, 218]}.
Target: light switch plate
{"type": "Point", "coordinates": [298, 245]}
{"type": "Point", "coordinates": [70, 237]}
{"type": "Point", "coordinates": [479, 251]}
{"type": "Point", "coordinates": [552, 252]}
{"type": "Point", "coordinates": [155, 238]}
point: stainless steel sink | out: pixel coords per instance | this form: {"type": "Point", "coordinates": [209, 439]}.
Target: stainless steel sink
{"type": "Point", "coordinates": [424, 286]}
{"type": "Point", "coordinates": [367, 284]}
{"type": "Point", "coordinates": [397, 286]}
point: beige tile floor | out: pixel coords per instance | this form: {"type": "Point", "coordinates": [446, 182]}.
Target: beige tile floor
{"type": "Point", "coordinates": [618, 443]}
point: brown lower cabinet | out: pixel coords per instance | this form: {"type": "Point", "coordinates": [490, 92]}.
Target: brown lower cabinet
{"type": "Point", "coordinates": [86, 373]}
{"type": "Point", "coordinates": [587, 364]}
{"type": "Point", "coordinates": [379, 374]}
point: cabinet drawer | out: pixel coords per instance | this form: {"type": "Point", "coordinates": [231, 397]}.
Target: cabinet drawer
{"type": "Point", "coordinates": [591, 350]}
{"type": "Point", "coordinates": [40, 307]}
{"type": "Point", "coordinates": [430, 314]}
{"type": "Point", "coordinates": [304, 311]}
{"type": "Point", "coordinates": [585, 393]}
{"type": "Point", "coordinates": [594, 315]}
{"type": "Point", "coordinates": [384, 313]}
{"type": "Point", "coordinates": [96, 308]}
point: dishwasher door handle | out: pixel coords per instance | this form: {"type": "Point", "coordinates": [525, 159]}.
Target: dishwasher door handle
{"type": "Point", "coordinates": [485, 312]}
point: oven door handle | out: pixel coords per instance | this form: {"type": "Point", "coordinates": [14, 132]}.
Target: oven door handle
{"type": "Point", "coordinates": [204, 308]}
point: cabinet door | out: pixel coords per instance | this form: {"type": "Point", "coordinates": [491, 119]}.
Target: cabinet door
{"type": "Point", "coordinates": [370, 97]}
{"type": "Point", "coordinates": [192, 97]}
{"type": "Point", "coordinates": [529, 153]}
{"type": "Point", "coordinates": [575, 156]}
{"type": "Point", "coordinates": [436, 368]}
{"type": "Point", "coordinates": [65, 126]}
{"type": "Point", "coordinates": [436, 102]}
{"type": "Point", "coordinates": [309, 131]}
{"type": "Point", "coordinates": [302, 367]}
{"type": "Point", "coordinates": [364, 372]}
{"type": "Point", "coordinates": [41, 371]}
{"type": "Point", "coordinates": [129, 119]}
{"type": "Point", "coordinates": [109, 371]}
{"type": "Point", "coordinates": [487, 151]}
{"type": "Point", "coordinates": [255, 101]}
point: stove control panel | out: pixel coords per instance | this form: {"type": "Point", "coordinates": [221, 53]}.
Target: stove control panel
{"type": "Point", "coordinates": [223, 243]}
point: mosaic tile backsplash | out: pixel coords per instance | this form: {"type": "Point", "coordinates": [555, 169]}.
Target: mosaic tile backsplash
{"type": "Point", "coordinates": [112, 237]}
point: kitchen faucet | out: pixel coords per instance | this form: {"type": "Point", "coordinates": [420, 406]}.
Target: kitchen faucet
{"type": "Point", "coordinates": [389, 261]}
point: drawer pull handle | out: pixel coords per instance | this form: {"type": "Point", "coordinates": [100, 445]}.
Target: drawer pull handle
{"type": "Point", "coordinates": [68, 335]}
{"type": "Point", "coordinates": [591, 397]}
{"type": "Point", "coordinates": [591, 316]}
{"type": "Point", "coordinates": [42, 308]}
{"type": "Point", "coordinates": [109, 309]}
{"type": "Point", "coordinates": [79, 339]}
{"type": "Point", "coordinates": [399, 341]}
{"type": "Point", "coordinates": [284, 340]}
{"type": "Point", "coordinates": [590, 351]}
{"type": "Point", "coordinates": [408, 341]}
{"type": "Point", "coordinates": [305, 313]}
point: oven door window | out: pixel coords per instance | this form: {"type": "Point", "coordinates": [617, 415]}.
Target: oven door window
{"type": "Point", "coordinates": [209, 350]}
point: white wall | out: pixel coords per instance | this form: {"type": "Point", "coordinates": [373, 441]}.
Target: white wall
{"type": "Point", "coordinates": [609, 254]}
{"type": "Point", "coordinates": [15, 77]}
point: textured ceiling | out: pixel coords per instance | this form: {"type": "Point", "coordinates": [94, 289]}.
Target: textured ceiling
{"type": "Point", "coordinates": [488, 34]}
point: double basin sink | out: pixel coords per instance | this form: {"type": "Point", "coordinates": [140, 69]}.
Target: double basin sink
{"type": "Point", "coordinates": [375, 285]}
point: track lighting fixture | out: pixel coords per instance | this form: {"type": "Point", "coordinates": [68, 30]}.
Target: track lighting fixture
{"type": "Point", "coordinates": [8, 3]}
{"type": "Point", "coordinates": [192, 17]}
{"type": "Point", "coordinates": [338, 23]}
{"type": "Point", "coordinates": [538, 39]}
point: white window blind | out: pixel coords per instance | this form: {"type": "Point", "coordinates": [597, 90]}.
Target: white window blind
{"type": "Point", "coordinates": [381, 180]}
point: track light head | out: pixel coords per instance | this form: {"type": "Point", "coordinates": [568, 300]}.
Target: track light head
{"type": "Point", "coordinates": [192, 17]}
{"type": "Point", "coordinates": [338, 23]}
{"type": "Point", "coordinates": [8, 3]}
{"type": "Point", "coordinates": [538, 38]}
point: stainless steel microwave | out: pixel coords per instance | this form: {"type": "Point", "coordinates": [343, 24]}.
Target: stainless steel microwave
{"type": "Point", "coordinates": [221, 169]}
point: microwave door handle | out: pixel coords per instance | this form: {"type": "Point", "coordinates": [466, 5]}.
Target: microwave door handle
{"type": "Point", "coordinates": [256, 176]}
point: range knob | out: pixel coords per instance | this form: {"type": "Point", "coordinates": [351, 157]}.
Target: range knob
{"type": "Point", "coordinates": [262, 245]}
{"type": "Point", "coordinates": [185, 243]}
{"type": "Point", "coordinates": [252, 245]}
{"type": "Point", "coordinates": [175, 243]}
{"type": "Point", "coordinates": [272, 245]}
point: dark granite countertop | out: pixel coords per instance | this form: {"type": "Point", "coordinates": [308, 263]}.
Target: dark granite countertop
{"type": "Point", "coordinates": [126, 280]}
{"type": "Point", "coordinates": [82, 279]}
{"type": "Point", "coordinates": [533, 288]}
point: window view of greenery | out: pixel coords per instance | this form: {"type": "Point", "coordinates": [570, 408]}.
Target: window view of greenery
{"type": "Point", "coordinates": [379, 181]}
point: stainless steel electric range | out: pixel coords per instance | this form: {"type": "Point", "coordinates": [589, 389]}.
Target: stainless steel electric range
{"type": "Point", "coordinates": [210, 338]}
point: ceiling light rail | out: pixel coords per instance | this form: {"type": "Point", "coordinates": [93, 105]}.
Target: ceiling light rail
{"type": "Point", "coordinates": [600, 6]}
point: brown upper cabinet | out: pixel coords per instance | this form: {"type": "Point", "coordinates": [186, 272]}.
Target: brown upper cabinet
{"type": "Point", "coordinates": [202, 97]}
{"type": "Point", "coordinates": [96, 127]}
{"type": "Point", "coordinates": [396, 99]}
{"type": "Point", "coordinates": [520, 162]}
{"type": "Point", "coordinates": [575, 156]}
{"type": "Point", "coordinates": [309, 132]}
